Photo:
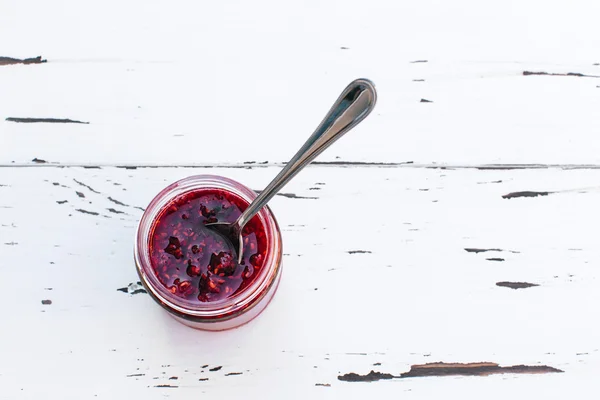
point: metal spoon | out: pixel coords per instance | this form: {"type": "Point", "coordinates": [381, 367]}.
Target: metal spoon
{"type": "Point", "coordinates": [353, 105]}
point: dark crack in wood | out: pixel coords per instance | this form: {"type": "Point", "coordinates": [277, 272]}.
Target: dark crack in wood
{"type": "Point", "coordinates": [295, 196]}
{"type": "Point", "coordinates": [45, 120]}
{"type": "Point", "coordinates": [173, 378]}
{"type": "Point", "coordinates": [62, 201]}
{"type": "Point", "coordinates": [85, 186]}
{"type": "Point", "coordinates": [166, 386]}
{"type": "Point", "coordinates": [418, 80]}
{"type": "Point", "coordinates": [80, 194]}
{"type": "Point", "coordinates": [276, 164]}
{"type": "Point", "coordinates": [47, 302]}
{"type": "Point", "coordinates": [117, 202]}
{"type": "Point", "coordinates": [516, 285]}
{"type": "Point", "coordinates": [576, 74]}
{"type": "Point", "coordinates": [81, 210]}
{"type": "Point", "coordinates": [418, 61]}
{"type": "Point", "coordinates": [323, 384]}
{"type": "Point", "coordinates": [426, 101]}
{"type": "Point", "coordinates": [132, 375]}
{"type": "Point", "coordinates": [120, 203]}
{"type": "Point", "coordinates": [476, 250]}
{"type": "Point", "coordinates": [291, 195]}
{"type": "Point", "coordinates": [112, 210]}
{"type": "Point", "coordinates": [203, 379]}
{"type": "Point", "coordinates": [526, 193]}
{"type": "Point", "coordinates": [26, 61]}
{"type": "Point", "coordinates": [39, 161]}
{"type": "Point", "coordinates": [233, 373]}
{"type": "Point", "coordinates": [359, 252]}
{"type": "Point", "coordinates": [495, 259]}
{"type": "Point", "coordinates": [216, 368]}
{"type": "Point", "coordinates": [361, 163]}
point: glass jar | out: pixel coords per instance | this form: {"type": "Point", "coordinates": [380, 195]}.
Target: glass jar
{"type": "Point", "coordinates": [242, 306]}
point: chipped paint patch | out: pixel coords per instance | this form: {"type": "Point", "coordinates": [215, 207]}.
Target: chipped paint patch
{"type": "Point", "coordinates": [46, 120]}
{"type": "Point", "coordinates": [451, 369]}
{"type": "Point", "coordinates": [133, 288]}
{"type": "Point", "coordinates": [526, 193]}
{"type": "Point", "coordinates": [576, 74]}
{"type": "Point", "coordinates": [516, 285]}
{"type": "Point", "coordinates": [370, 377]}
{"type": "Point", "coordinates": [474, 369]}
{"type": "Point", "coordinates": [13, 61]}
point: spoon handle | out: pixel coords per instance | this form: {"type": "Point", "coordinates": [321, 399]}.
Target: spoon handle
{"type": "Point", "coordinates": [353, 105]}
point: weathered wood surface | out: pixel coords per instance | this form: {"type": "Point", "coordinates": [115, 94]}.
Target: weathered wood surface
{"type": "Point", "coordinates": [150, 77]}
{"type": "Point", "coordinates": [384, 268]}
{"type": "Point", "coordinates": [391, 263]}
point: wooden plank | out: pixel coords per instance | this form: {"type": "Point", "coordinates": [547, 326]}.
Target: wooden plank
{"type": "Point", "coordinates": [385, 268]}
{"type": "Point", "coordinates": [163, 84]}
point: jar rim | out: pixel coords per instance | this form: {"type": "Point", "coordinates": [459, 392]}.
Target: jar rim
{"type": "Point", "coordinates": [221, 309]}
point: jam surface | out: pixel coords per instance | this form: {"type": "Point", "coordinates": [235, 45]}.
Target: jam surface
{"type": "Point", "coordinates": [196, 263]}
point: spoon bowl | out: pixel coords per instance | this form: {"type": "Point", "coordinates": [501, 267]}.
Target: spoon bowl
{"type": "Point", "coordinates": [232, 233]}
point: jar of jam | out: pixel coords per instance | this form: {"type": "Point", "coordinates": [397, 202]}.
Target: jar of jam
{"type": "Point", "coordinates": [192, 271]}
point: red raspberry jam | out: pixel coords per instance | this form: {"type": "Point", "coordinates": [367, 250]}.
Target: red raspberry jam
{"type": "Point", "coordinates": [196, 263]}
{"type": "Point", "coordinates": [190, 270]}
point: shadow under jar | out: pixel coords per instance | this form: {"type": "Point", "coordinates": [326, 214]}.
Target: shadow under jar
{"type": "Point", "coordinates": [190, 270]}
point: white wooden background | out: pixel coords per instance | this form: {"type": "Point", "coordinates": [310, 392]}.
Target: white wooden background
{"type": "Point", "coordinates": [375, 269]}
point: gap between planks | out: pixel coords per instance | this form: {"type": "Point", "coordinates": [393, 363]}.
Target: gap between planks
{"type": "Point", "coordinates": [338, 164]}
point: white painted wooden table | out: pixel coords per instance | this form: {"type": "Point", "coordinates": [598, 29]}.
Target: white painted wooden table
{"type": "Point", "coordinates": [382, 268]}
